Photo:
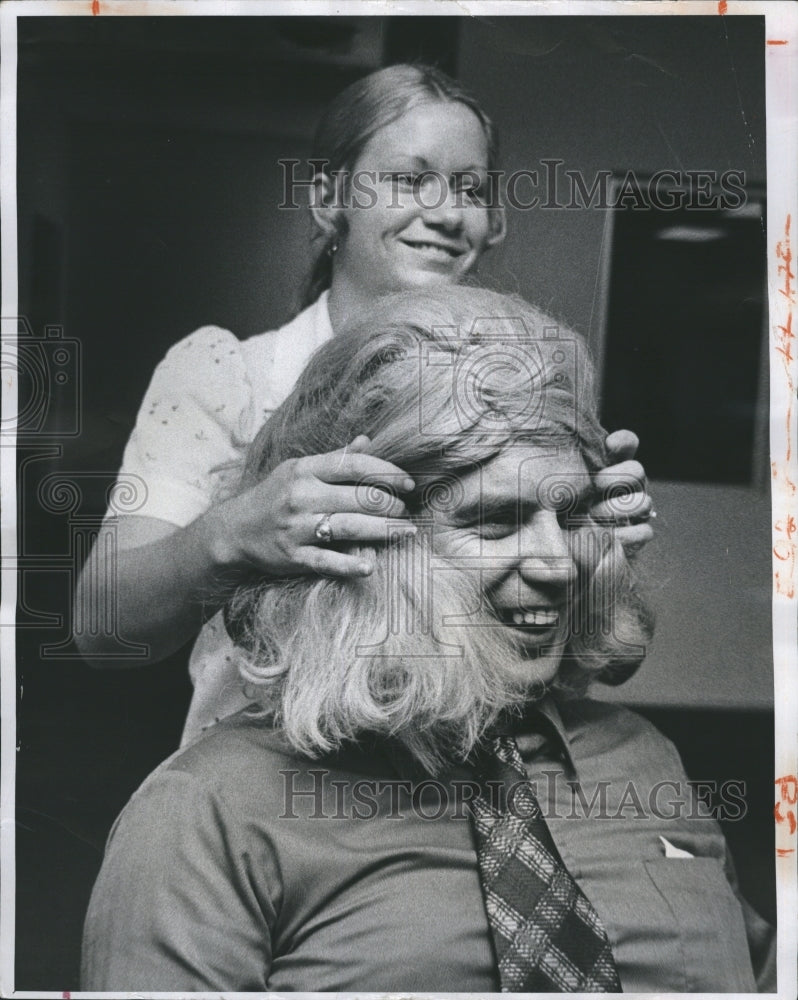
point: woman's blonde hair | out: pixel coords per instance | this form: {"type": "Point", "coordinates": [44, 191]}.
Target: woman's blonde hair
{"type": "Point", "coordinates": [441, 381]}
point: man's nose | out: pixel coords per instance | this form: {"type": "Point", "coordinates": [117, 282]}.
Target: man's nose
{"type": "Point", "coordinates": [544, 553]}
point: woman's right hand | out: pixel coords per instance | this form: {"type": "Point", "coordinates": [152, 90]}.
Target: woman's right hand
{"type": "Point", "coordinates": [271, 527]}
{"type": "Point", "coordinates": [166, 581]}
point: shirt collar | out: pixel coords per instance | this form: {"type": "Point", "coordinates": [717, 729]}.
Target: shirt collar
{"type": "Point", "coordinates": [543, 717]}
{"type": "Point", "coordinates": [539, 717]}
{"type": "Point", "coordinates": [322, 327]}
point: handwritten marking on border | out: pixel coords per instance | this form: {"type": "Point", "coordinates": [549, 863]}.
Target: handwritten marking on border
{"type": "Point", "coordinates": [784, 548]}
{"type": "Point", "coordinates": [784, 810]}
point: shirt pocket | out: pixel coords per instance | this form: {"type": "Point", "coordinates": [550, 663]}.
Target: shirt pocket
{"type": "Point", "coordinates": [709, 924]}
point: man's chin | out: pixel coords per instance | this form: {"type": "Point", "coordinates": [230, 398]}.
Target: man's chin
{"type": "Point", "coordinates": [535, 673]}
{"type": "Point", "coordinates": [535, 666]}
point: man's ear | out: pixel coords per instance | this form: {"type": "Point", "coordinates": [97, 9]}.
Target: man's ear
{"type": "Point", "coordinates": [498, 226]}
{"type": "Point", "coordinates": [323, 204]}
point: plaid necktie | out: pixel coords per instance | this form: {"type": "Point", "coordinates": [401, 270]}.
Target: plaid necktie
{"type": "Point", "coordinates": [547, 936]}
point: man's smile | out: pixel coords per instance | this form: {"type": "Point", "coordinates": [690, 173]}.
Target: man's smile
{"type": "Point", "coordinates": [537, 617]}
{"type": "Point", "coordinates": [540, 623]}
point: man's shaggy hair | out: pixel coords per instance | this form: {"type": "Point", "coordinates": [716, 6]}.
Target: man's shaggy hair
{"type": "Point", "coordinates": [441, 381]}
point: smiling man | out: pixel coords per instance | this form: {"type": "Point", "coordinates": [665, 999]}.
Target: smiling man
{"type": "Point", "coordinates": [420, 797]}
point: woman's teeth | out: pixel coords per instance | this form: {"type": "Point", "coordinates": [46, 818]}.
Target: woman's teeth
{"type": "Point", "coordinates": [435, 248]}
{"type": "Point", "coordinates": [536, 618]}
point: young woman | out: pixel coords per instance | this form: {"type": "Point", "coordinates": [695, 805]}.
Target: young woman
{"type": "Point", "coordinates": [426, 148]}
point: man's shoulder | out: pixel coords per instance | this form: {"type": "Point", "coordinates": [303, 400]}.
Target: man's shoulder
{"type": "Point", "coordinates": [238, 760]}
{"type": "Point", "coordinates": [246, 768]}
{"type": "Point", "coordinates": [591, 712]}
{"type": "Point", "coordinates": [597, 728]}
{"type": "Point", "coordinates": [235, 742]}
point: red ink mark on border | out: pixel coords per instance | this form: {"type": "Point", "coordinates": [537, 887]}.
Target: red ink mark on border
{"type": "Point", "coordinates": [784, 810]}
{"type": "Point", "coordinates": [784, 253]}
{"type": "Point", "coordinates": [788, 528]}
{"type": "Point", "coordinates": [784, 548]}
{"type": "Point", "coordinates": [95, 7]}
{"type": "Point", "coordinates": [66, 995]}
{"type": "Point", "coordinates": [777, 41]}
{"type": "Point", "coordinates": [787, 817]}
{"type": "Point", "coordinates": [722, 7]}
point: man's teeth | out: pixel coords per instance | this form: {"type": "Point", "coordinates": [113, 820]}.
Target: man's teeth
{"type": "Point", "coordinates": [535, 618]}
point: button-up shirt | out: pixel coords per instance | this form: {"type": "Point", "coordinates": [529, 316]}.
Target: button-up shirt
{"type": "Point", "coordinates": [239, 866]}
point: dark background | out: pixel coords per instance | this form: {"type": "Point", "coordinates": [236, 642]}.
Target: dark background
{"type": "Point", "coordinates": [147, 183]}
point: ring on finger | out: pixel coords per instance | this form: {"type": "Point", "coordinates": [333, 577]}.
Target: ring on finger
{"type": "Point", "coordinates": [323, 530]}
{"type": "Point", "coordinates": [629, 520]}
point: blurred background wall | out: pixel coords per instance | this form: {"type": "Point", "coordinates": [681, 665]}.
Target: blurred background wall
{"type": "Point", "coordinates": [679, 94]}
{"type": "Point", "coordinates": [148, 191]}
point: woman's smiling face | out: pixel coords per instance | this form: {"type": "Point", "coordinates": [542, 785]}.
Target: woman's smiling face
{"type": "Point", "coordinates": [415, 214]}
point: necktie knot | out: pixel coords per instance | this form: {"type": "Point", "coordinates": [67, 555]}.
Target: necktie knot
{"type": "Point", "coordinates": [506, 750]}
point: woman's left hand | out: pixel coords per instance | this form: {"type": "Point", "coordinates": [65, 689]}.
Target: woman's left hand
{"type": "Point", "coordinates": [624, 502]}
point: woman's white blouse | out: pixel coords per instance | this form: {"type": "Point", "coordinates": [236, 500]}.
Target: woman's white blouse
{"type": "Point", "coordinates": [207, 400]}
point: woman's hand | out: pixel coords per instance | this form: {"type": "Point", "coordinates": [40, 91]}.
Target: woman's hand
{"type": "Point", "coordinates": [272, 526]}
{"type": "Point", "coordinates": [624, 502]}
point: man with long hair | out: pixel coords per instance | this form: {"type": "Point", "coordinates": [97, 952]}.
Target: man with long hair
{"type": "Point", "coordinates": [420, 796]}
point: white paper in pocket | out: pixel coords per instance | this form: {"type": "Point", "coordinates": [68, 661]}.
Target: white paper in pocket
{"type": "Point", "coordinates": [674, 852]}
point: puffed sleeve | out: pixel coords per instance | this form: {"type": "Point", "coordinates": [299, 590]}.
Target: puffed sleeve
{"type": "Point", "coordinates": [179, 904]}
{"type": "Point", "coordinates": [192, 430]}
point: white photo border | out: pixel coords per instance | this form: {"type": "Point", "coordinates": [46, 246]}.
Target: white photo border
{"type": "Point", "coordinates": [782, 230]}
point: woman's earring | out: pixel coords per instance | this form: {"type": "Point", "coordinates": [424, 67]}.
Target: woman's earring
{"type": "Point", "coordinates": [332, 249]}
